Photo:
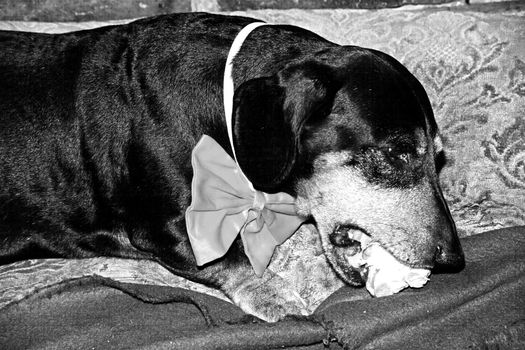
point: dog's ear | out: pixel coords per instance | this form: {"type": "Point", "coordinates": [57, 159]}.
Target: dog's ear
{"type": "Point", "coordinates": [416, 86]}
{"type": "Point", "coordinates": [269, 114]}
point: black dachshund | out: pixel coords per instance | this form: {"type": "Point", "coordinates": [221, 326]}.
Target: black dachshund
{"type": "Point", "coordinates": [97, 129]}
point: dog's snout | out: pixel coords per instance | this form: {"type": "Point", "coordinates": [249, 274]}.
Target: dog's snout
{"type": "Point", "coordinates": [448, 252]}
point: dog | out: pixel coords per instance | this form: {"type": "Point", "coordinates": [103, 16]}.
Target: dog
{"type": "Point", "coordinates": [97, 129]}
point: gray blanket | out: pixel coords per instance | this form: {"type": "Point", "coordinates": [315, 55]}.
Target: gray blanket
{"type": "Point", "coordinates": [481, 307]}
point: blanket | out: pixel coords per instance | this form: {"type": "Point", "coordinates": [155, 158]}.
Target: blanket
{"type": "Point", "coordinates": [480, 307]}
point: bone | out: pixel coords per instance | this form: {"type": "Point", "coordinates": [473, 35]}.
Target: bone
{"type": "Point", "coordinates": [387, 276]}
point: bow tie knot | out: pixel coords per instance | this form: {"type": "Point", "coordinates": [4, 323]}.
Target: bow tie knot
{"type": "Point", "coordinates": [224, 204]}
{"type": "Point", "coordinates": [259, 201]}
{"type": "Point", "coordinates": [258, 214]}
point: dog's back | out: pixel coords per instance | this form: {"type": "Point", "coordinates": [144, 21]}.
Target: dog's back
{"type": "Point", "coordinates": [41, 180]}
{"type": "Point", "coordinates": [68, 108]}
{"type": "Point", "coordinates": [97, 127]}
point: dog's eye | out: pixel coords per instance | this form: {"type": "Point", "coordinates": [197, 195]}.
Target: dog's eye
{"type": "Point", "coordinates": [397, 155]}
{"type": "Point", "coordinates": [404, 157]}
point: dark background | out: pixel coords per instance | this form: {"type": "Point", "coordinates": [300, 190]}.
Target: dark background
{"type": "Point", "coordinates": [101, 10]}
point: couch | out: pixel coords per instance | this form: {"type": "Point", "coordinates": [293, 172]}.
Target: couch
{"type": "Point", "coordinates": [471, 61]}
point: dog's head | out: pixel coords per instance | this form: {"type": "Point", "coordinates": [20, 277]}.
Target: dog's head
{"type": "Point", "coordinates": [350, 132]}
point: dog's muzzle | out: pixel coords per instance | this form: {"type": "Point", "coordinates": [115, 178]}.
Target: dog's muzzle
{"type": "Point", "coordinates": [448, 255]}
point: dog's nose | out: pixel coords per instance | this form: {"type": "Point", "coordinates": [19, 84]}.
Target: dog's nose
{"type": "Point", "coordinates": [449, 255]}
{"type": "Point", "coordinates": [449, 258]}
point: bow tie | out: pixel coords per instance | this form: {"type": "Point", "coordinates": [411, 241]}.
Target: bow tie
{"type": "Point", "coordinates": [224, 204]}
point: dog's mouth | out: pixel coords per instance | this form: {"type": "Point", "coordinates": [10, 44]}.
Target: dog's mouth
{"type": "Point", "coordinates": [348, 241]}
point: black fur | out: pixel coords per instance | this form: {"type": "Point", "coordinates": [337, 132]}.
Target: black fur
{"type": "Point", "coordinates": [97, 127]}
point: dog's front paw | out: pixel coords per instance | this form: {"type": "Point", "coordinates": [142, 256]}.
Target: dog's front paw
{"type": "Point", "coordinates": [268, 298]}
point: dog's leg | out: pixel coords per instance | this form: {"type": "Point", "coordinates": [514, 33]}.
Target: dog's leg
{"type": "Point", "coordinates": [33, 244]}
{"type": "Point", "coordinates": [25, 245]}
{"type": "Point", "coordinates": [267, 297]}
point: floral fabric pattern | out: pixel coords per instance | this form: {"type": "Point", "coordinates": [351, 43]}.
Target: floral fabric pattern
{"type": "Point", "coordinates": [472, 65]}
